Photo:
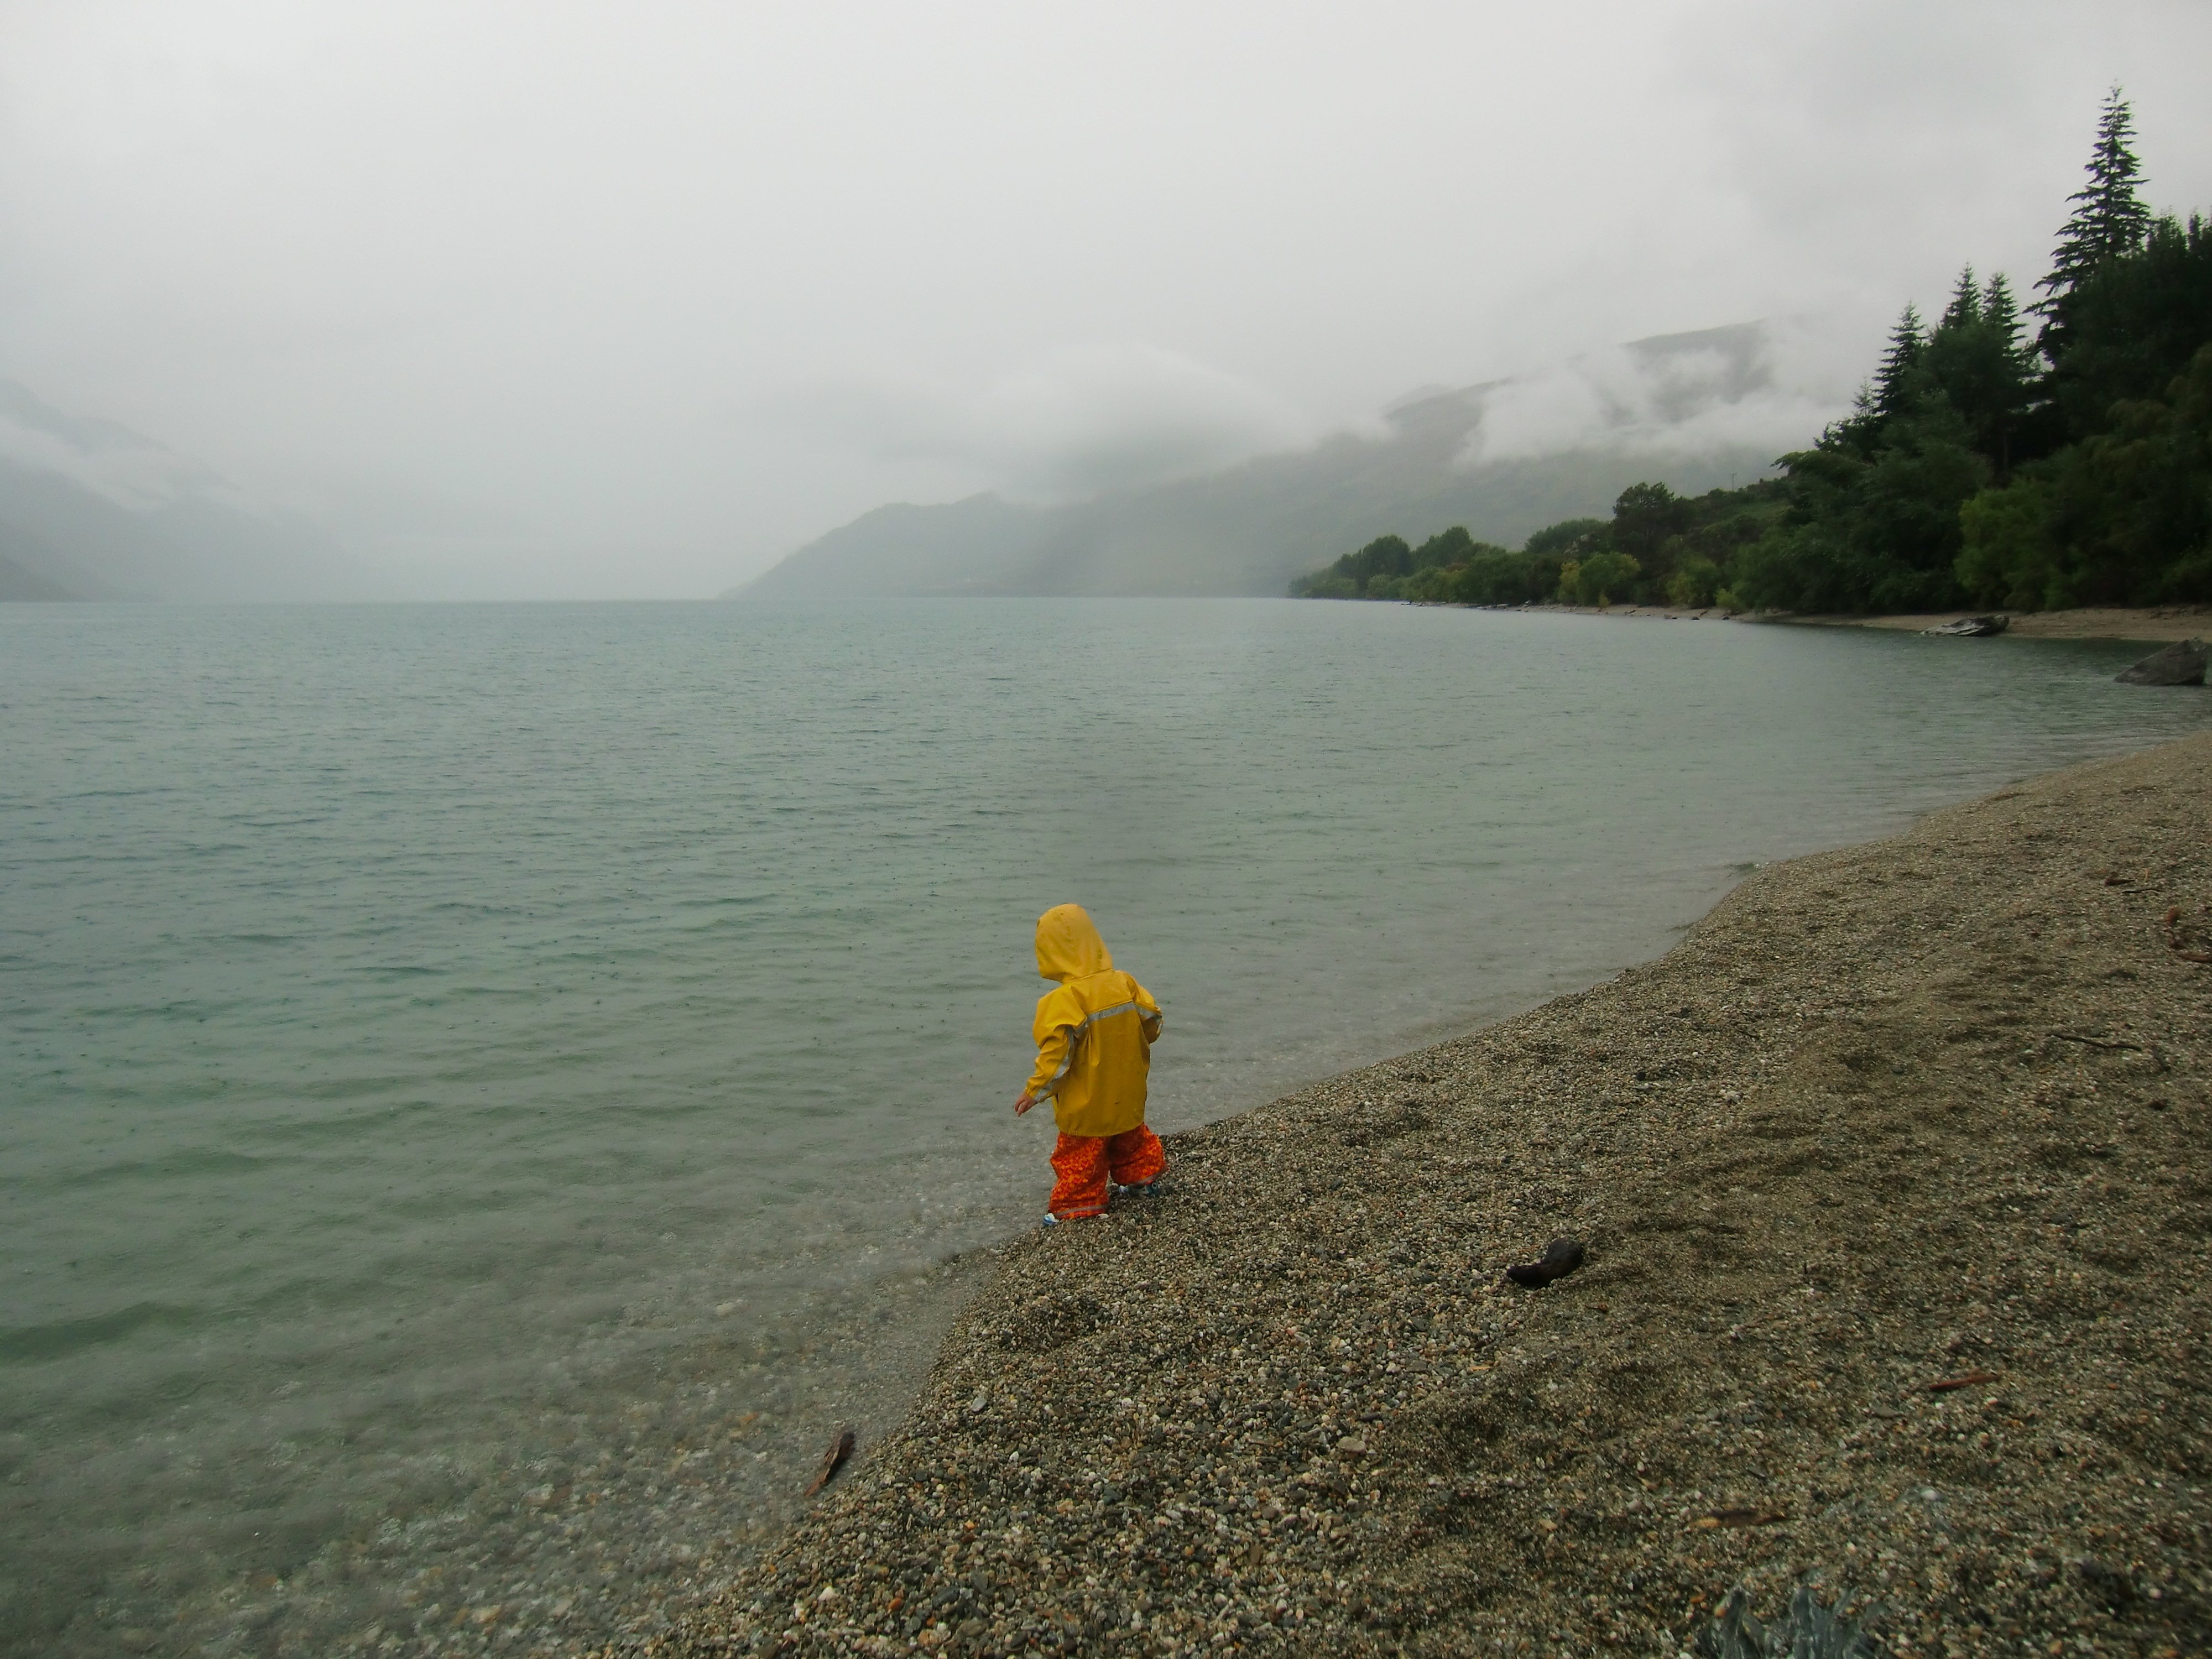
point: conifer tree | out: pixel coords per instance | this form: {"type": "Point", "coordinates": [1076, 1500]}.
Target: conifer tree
{"type": "Point", "coordinates": [1908, 343]}
{"type": "Point", "coordinates": [2015, 374]}
{"type": "Point", "coordinates": [1971, 360]}
{"type": "Point", "coordinates": [1966, 307]}
{"type": "Point", "coordinates": [2109, 219]}
{"type": "Point", "coordinates": [2001, 313]}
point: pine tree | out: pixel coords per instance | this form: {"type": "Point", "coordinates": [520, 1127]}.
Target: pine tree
{"type": "Point", "coordinates": [2014, 377]}
{"type": "Point", "coordinates": [1966, 307]}
{"type": "Point", "coordinates": [2001, 313]}
{"type": "Point", "coordinates": [2109, 219]}
{"type": "Point", "coordinates": [1908, 343]}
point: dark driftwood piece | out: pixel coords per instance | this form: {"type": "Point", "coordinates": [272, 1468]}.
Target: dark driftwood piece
{"type": "Point", "coordinates": [833, 1459]}
{"type": "Point", "coordinates": [1562, 1258]}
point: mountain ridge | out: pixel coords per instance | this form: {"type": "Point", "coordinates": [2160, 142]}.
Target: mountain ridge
{"type": "Point", "coordinates": [1250, 528]}
{"type": "Point", "coordinates": [90, 509]}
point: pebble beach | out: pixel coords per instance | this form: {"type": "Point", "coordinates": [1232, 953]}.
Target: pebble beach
{"type": "Point", "coordinates": [1893, 1181]}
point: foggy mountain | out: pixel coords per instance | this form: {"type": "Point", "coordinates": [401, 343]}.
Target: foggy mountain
{"type": "Point", "coordinates": [92, 510]}
{"type": "Point", "coordinates": [1693, 410]}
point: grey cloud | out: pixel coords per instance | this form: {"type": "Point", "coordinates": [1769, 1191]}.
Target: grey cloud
{"type": "Point", "coordinates": [1772, 386]}
{"type": "Point", "coordinates": [523, 261]}
{"type": "Point", "coordinates": [1878, 146]}
{"type": "Point", "coordinates": [1066, 423]}
{"type": "Point", "coordinates": [110, 460]}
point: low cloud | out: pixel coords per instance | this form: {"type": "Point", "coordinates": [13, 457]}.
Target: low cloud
{"type": "Point", "coordinates": [111, 461]}
{"type": "Point", "coordinates": [1772, 386]}
{"type": "Point", "coordinates": [1064, 425]}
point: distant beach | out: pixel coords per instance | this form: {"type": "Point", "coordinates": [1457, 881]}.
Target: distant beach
{"type": "Point", "coordinates": [2171, 621]}
{"type": "Point", "coordinates": [2148, 623]}
{"type": "Point", "coordinates": [1893, 1175]}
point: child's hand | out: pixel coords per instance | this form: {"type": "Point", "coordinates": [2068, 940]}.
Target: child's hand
{"type": "Point", "coordinates": [1023, 1104]}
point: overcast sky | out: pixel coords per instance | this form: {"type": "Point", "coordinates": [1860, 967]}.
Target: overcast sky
{"type": "Point", "coordinates": [561, 299]}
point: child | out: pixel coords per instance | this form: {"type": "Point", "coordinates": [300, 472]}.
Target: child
{"type": "Point", "coordinates": [1094, 1037]}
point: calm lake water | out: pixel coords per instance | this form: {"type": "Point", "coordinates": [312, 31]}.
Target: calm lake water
{"type": "Point", "coordinates": [462, 1065]}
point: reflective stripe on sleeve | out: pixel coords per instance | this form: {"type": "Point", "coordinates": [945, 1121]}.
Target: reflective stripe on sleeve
{"type": "Point", "coordinates": [1075, 1036]}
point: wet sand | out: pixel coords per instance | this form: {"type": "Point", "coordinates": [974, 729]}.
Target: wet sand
{"type": "Point", "coordinates": [1894, 1178]}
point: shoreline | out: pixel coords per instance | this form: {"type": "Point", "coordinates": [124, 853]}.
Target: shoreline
{"type": "Point", "coordinates": [2164, 623]}
{"type": "Point", "coordinates": [1925, 1109]}
{"type": "Point", "coordinates": [2151, 624]}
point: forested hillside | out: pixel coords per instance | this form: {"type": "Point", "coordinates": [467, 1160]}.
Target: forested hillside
{"type": "Point", "coordinates": [1980, 466]}
{"type": "Point", "coordinates": [1248, 529]}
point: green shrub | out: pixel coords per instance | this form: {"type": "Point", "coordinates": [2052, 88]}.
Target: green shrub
{"type": "Point", "coordinates": [1555, 539]}
{"type": "Point", "coordinates": [2011, 555]}
{"type": "Point", "coordinates": [1694, 583]}
{"type": "Point", "coordinates": [1598, 579]}
{"type": "Point", "coordinates": [1493, 576]}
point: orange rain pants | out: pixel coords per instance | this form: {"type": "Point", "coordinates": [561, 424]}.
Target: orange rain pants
{"type": "Point", "coordinates": [1134, 1158]}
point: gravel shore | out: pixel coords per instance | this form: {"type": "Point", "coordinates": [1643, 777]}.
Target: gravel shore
{"type": "Point", "coordinates": [1893, 1180]}
{"type": "Point", "coordinates": [2158, 622]}
{"type": "Point", "coordinates": [2147, 622]}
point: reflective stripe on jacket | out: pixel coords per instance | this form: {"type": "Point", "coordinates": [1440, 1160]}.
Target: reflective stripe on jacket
{"type": "Point", "coordinates": [1094, 1033]}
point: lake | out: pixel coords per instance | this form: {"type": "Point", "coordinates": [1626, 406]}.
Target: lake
{"type": "Point", "coordinates": [483, 1087]}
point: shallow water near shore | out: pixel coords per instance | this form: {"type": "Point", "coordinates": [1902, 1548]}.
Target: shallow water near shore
{"type": "Point", "coordinates": [482, 1084]}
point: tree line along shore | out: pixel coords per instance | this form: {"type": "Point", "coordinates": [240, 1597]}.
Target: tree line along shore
{"type": "Point", "coordinates": [1893, 1181]}
{"type": "Point", "coordinates": [1978, 467]}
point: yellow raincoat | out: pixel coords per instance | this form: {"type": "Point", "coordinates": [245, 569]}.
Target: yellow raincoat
{"type": "Point", "coordinates": [1094, 1034]}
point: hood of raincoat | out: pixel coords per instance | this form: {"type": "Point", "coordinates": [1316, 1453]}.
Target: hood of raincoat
{"type": "Point", "coordinates": [1068, 946]}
